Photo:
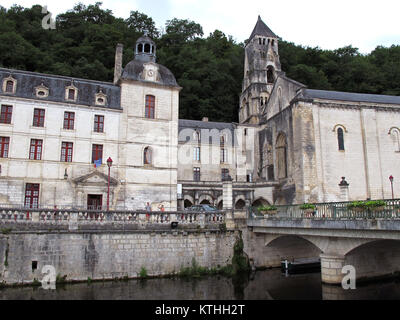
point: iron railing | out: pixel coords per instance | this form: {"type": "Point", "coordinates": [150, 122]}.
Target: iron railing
{"type": "Point", "coordinates": [330, 210]}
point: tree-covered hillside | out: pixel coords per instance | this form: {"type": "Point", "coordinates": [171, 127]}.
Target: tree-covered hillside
{"type": "Point", "coordinates": [209, 68]}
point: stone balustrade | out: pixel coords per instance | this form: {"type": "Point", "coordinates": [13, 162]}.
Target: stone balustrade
{"type": "Point", "coordinates": [75, 217]}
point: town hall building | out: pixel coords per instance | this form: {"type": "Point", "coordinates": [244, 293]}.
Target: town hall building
{"type": "Point", "coordinates": [291, 145]}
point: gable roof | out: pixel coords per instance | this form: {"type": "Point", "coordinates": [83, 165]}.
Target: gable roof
{"type": "Point", "coordinates": [262, 29]}
{"type": "Point", "coordinates": [348, 96]}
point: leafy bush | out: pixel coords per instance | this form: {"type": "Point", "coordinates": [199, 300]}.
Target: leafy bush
{"type": "Point", "coordinates": [143, 273]}
{"type": "Point", "coordinates": [375, 203]}
{"type": "Point", "coordinates": [371, 204]}
{"type": "Point", "coordinates": [267, 208]}
{"type": "Point", "coordinates": [306, 206]}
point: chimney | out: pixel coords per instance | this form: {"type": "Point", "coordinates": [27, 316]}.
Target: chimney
{"type": "Point", "coordinates": [118, 62]}
{"type": "Point", "coordinates": [205, 119]}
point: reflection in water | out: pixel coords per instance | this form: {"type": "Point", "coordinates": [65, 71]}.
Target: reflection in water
{"type": "Point", "coordinates": [262, 285]}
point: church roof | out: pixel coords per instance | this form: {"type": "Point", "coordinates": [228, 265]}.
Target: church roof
{"type": "Point", "coordinates": [348, 96]}
{"type": "Point", "coordinates": [262, 29]}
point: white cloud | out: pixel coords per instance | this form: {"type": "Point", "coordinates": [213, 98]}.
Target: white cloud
{"type": "Point", "coordinates": [327, 24]}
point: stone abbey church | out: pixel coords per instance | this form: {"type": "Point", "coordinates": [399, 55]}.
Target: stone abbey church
{"type": "Point", "coordinates": [291, 145]}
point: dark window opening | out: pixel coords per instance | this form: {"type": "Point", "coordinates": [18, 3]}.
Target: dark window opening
{"type": "Point", "coordinates": [10, 86]}
{"type": "Point", "coordinates": [340, 139]}
{"type": "Point", "coordinates": [147, 155]}
{"type": "Point", "coordinates": [196, 174]}
{"type": "Point", "coordinates": [270, 75]}
{"type": "Point", "coordinates": [71, 94]}
{"type": "Point", "coordinates": [264, 41]}
{"type": "Point", "coordinates": [259, 40]}
{"type": "Point", "coordinates": [147, 48]}
{"type": "Point", "coordinates": [140, 48]}
{"type": "Point", "coordinates": [249, 177]}
{"type": "Point", "coordinates": [34, 265]}
{"type": "Point", "coordinates": [94, 201]}
{"type": "Point", "coordinates": [224, 174]}
{"type": "Point", "coordinates": [270, 173]}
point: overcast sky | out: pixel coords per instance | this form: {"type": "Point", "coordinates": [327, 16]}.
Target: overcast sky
{"type": "Point", "coordinates": [364, 24]}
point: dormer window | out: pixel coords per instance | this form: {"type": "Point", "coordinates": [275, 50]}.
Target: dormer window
{"type": "Point", "coordinates": [71, 93]}
{"type": "Point", "coordinates": [41, 91]}
{"type": "Point", "coordinates": [101, 99]}
{"type": "Point", "coordinates": [9, 85]}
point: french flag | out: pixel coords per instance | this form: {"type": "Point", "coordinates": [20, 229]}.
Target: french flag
{"type": "Point", "coordinates": [97, 163]}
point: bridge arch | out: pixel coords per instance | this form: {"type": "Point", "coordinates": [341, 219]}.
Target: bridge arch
{"type": "Point", "coordinates": [291, 247]}
{"type": "Point", "coordinates": [375, 258]}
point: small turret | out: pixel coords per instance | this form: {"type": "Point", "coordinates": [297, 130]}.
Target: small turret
{"type": "Point", "coordinates": [145, 49]}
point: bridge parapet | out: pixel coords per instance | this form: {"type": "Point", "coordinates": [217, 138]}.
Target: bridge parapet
{"type": "Point", "coordinates": [386, 209]}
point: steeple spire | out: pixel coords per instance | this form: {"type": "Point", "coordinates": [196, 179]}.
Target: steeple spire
{"type": "Point", "coordinates": [261, 29]}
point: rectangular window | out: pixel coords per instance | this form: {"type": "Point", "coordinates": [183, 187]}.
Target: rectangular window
{"type": "Point", "coordinates": [32, 195]}
{"type": "Point", "coordinates": [98, 123]}
{"type": "Point", "coordinates": [196, 174]}
{"type": "Point", "coordinates": [196, 154]}
{"type": "Point", "coordinates": [150, 106]}
{"type": "Point", "coordinates": [6, 113]}
{"type": "Point", "coordinates": [4, 144]}
{"type": "Point", "coordinates": [10, 86]}
{"type": "Point", "coordinates": [71, 94]}
{"type": "Point", "coordinates": [38, 117]}
{"type": "Point", "coordinates": [69, 120]}
{"type": "Point", "coordinates": [223, 156]}
{"type": "Point", "coordinates": [35, 150]}
{"type": "Point", "coordinates": [224, 174]}
{"type": "Point", "coordinates": [97, 152]}
{"type": "Point", "coordinates": [66, 151]}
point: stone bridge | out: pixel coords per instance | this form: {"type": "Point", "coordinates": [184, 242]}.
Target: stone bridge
{"type": "Point", "coordinates": [367, 239]}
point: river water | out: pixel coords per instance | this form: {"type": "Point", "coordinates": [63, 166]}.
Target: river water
{"type": "Point", "coordinates": [262, 285]}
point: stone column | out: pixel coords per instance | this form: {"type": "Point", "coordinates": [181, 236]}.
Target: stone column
{"type": "Point", "coordinates": [227, 194]}
{"type": "Point", "coordinates": [331, 268]}
{"type": "Point", "coordinates": [344, 190]}
{"type": "Point", "coordinates": [73, 221]}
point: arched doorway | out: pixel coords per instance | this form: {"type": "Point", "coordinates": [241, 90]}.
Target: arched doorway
{"type": "Point", "coordinates": [240, 204]}
{"type": "Point", "coordinates": [187, 203]}
{"type": "Point", "coordinates": [260, 202]}
{"type": "Point", "coordinates": [205, 201]}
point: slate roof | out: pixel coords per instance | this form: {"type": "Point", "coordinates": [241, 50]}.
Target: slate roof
{"type": "Point", "coordinates": [195, 124]}
{"type": "Point", "coordinates": [348, 96]}
{"type": "Point", "coordinates": [262, 29]}
{"type": "Point", "coordinates": [87, 89]}
{"type": "Point", "coordinates": [133, 71]}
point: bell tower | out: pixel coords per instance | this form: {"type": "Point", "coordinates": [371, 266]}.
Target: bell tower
{"type": "Point", "coordinates": [261, 67]}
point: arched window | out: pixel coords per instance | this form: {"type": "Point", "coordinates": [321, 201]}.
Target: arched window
{"type": "Point", "coordinates": [9, 85]}
{"type": "Point", "coordinates": [340, 139]}
{"type": "Point", "coordinates": [281, 156]}
{"type": "Point", "coordinates": [147, 155]}
{"type": "Point", "coordinates": [147, 48]}
{"type": "Point", "coordinates": [280, 98]}
{"type": "Point", "coordinates": [140, 48]}
{"type": "Point", "coordinates": [270, 74]}
{"type": "Point", "coordinates": [149, 107]}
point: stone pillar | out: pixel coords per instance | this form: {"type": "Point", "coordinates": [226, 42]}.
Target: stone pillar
{"type": "Point", "coordinates": [73, 221]}
{"type": "Point", "coordinates": [344, 190]}
{"type": "Point", "coordinates": [118, 62]}
{"type": "Point", "coordinates": [227, 194]}
{"type": "Point", "coordinates": [331, 268]}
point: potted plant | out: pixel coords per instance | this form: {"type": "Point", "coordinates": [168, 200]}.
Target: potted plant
{"type": "Point", "coordinates": [357, 206]}
{"type": "Point", "coordinates": [308, 208]}
{"type": "Point", "coordinates": [376, 205]}
{"type": "Point", "coordinates": [268, 210]}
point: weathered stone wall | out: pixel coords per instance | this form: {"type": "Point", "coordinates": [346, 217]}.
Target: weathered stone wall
{"type": "Point", "coordinates": [108, 255]}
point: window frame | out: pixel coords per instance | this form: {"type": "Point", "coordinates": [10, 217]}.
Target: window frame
{"type": "Point", "coordinates": [32, 193]}
{"type": "Point", "coordinates": [38, 119]}
{"type": "Point", "coordinates": [97, 149]}
{"type": "Point", "coordinates": [98, 125]}
{"type": "Point", "coordinates": [6, 115]}
{"type": "Point", "coordinates": [196, 154]}
{"type": "Point", "coordinates": [147, 156]}
{"type": "Point", "coordinates": [36, 153]}
{"type": "Point", "coordinates": [4, 147]}
{"type": "Point", "coordinates": [224, 173]}
{"type": "Point", "coordinates": [150, 107]}
{"type": "Point", "coordinates": [68, 120]}
{"type": "Point", "coordinates": [66, 151]}
{"type": "Point", "coordinates": [340, 138]}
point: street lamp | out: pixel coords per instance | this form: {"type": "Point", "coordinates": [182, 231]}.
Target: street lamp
{"type": "Point", "coordinates": [391, 182]}
{"type": "Point", "coordinates": [109, 164]}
